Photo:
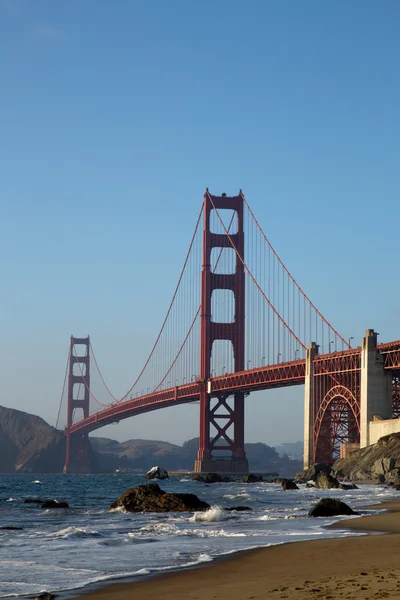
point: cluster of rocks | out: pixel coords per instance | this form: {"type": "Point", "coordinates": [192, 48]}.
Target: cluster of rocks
{"type": "Point", "coordinates": [321, 477]}
{"type": "Point", "coordinates": [151, 498]}
{"type": "Point", "coordinates": [211, 478]}
{"type": "Point", "coordinates": [217, 478]}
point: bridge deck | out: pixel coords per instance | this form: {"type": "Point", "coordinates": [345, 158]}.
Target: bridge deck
{"type": "Point", "coordinates": [262, 378]}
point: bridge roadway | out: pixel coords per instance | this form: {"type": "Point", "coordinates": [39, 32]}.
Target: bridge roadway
{"type": "Point", "coordinates": [253, 380]}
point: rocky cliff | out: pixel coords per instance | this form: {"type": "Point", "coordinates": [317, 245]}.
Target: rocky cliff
{"type": "Point", "coordinates": [29, 444]}
{"type": "Point", "coordinates": [379, 462]}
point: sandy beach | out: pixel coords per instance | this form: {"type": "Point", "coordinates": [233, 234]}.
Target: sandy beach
{"type": "Point", "coordinates": [358, 567]}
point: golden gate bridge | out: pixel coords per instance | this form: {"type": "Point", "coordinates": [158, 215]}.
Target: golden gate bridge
{"type": "Point", "coordinates": [238, 322]}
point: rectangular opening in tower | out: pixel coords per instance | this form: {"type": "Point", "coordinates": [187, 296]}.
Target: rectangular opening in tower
{"type": "Point", "coordinates": [79, 369]}
{"type": "Point", "coordinates": [78, 392]}
{"type": "Point", "coordinates": [222, 358]}
{"type": "Point", "coordinates": [222, 306]}
{"type": "Point", "coordinates": [228, 217]}
{"type": "Point", "coordinates": [223, 261]}
{"type": "Point", "coordinates": [79, 350]}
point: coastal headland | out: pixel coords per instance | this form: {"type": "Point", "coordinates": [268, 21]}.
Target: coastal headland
{"type": "Point", "coordinates": [362, 567]}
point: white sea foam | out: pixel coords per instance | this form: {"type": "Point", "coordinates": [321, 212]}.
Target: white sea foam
{"type": "Point", "coordinates": [240, 495]}
{"type": "Point", "coordinates": [215, 513]}
{"type": "Point", "coordinates": [118, 509]}
{"type": "Point", "coordinates": [74, 532]}
{"type": "Point", "coordinates": [159, 528]}
{"type": "Point", "coordinates": [17, 563]}
{"type": "Point", "coordinates": [36, 481]}
{"type": "Point", "coordinates": [131, 538]}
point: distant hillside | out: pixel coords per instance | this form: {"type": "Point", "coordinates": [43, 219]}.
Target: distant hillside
{"type": "Point", "coordinates": [28, 443]}
{"type": "Point", "coordinates": [293, 450]}
{"type": "Point", "coordinates": [137, 455]}
{"type": "Point", "coordinates": [142, 454]}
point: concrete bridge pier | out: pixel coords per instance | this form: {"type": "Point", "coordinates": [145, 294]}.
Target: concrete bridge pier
{"type": "Point", "coordinates": [376, 387]}
{"type": "Point", "coordinates": [309, 415]}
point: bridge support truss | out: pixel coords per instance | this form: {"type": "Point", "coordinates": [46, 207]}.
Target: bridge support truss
{"type": "Point", "coordinates": [77, 447]}
{"type": "Point", "coordinates": [221, 417]}
{"type": "Point", "coordinates": [344, 393]}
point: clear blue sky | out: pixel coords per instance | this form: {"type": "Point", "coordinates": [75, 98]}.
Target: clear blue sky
{"type": "Point", "coordinates": [114, 118]}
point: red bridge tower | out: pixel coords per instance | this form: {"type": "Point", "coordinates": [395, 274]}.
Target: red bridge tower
{"type": "Point", "coordinates": [77, 445]}
{"type": "Point", "coordinates": [221, 419]}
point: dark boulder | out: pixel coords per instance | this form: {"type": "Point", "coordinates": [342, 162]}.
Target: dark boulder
{"type": "Point", "coordinates": [251, 478]}
{"type": "Point", "coordinates": [151, 498]}
{"type": "Point", "coordinates": [10, 527]}
{"type": "Point", "coordinates": [330, 507]}
{"type": "Point", "coordinates": [238, 508]}
{"type": "Point", "coordinates": [213, 478]}
{"type": "Point", "coordinates": [312, 473]}
{"type": "Point", "coordinates": [157, 473]}
{"type": "Point", "coordinates": [345, 486]}
{"type": "Point", "coordinates": [288, 484]}
{"type": "Point", "coordinates": [210, 478]}
{"type": "Point", "coordinates": [54, 504]}
{"type": "Point", "coordinates": [326, 482]}
{"type": "Point", "coordinates": [33, 501]}
{"type": "Point", "coordinates": [45, 596]}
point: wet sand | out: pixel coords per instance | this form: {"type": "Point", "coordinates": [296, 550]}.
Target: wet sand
{"type": "Point", "coordinates": [366, 567]}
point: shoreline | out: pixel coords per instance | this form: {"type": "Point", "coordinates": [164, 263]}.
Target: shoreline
{"type": "Point", "coordinates": [364, 566]}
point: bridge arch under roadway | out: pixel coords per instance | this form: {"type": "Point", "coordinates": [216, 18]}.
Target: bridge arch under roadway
{"type": "Point", "coordinates": [337, 421]}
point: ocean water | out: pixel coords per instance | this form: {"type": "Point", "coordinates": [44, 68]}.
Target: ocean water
{"type": "Point", "coordinates": [63, 550]}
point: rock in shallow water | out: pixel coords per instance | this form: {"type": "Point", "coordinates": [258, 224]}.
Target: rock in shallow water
{"type": "Point", "coordinates": [288, 484]}
{"type": "Point", "coordinates": [151, 498]}
{"type": "Point", "coordinates": [252, 478]}
{"type": "Point", "coordinates": [54, 504]}
{"type": "Point", "coordinates": [330, 507]}
{"type": "Point", "coordinates": [211, 478]}
{"type": "Point", "coordinates": [312, 473]}
{"type": "Point", "coordinates": [157, 473]}
{"type": "Point", "coordinates": [325, 481]}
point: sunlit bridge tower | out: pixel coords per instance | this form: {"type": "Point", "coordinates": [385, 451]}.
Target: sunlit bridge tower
{"type": "Point", "coordinates": [77, 444]}
{"type": "Point", "coordinates": [221, 445]}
